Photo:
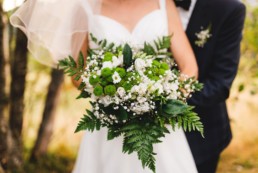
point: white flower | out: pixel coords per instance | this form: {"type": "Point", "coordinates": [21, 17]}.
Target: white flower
{"type": "Point", "coordinates": [116, 78]}
{"type": "Point", "coordinates": [117, 61]}
{"type": "Point", "coordinates": [167, 87]}
{"type": "Point", "coordinates": [203, 36]}
{"type": "Point", "coordinates": [141, 99]}
{"type": "Point", "coordinates": [116, 100]}
{"type": "Point", "coordinates": [157, 87]}
{"type": "Point", "coordinates": [173, 95]}
{"type": "Point", "coordinates": [99, 72]}
{"type": "Point", "coordinates": [174, 86]}
{"type": "Point", "coordinates": [121, 92]}
{"type": "Point", "coordinates": [141, 108]}
{"type": "Point", "coordinates": [142, 88]}
{"type": "Point", "coordinates": [107, 100]}
{"type": "Point", "coordinates": [139, 64]}
{"type": "Point", "coordinates": [148, 62]}
{"type": "Point", "coordinates": [93, 97]}
{"type": "Point", "coordinates": [107, 64]}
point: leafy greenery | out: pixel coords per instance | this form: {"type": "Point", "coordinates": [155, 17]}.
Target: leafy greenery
{"type": "Point", "coordinates": [71, 68]}
{"type": "Point", "coordinates": [128, 56]}
{"type": "Point", "coordinates": [89, 122]}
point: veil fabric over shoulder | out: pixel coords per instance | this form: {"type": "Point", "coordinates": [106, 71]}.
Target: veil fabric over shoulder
{"type": "Point", "coordinates": [55, 28]}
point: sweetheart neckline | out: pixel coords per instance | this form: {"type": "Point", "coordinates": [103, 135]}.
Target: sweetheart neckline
{"type": "Point", "coordinates": [130, 32]}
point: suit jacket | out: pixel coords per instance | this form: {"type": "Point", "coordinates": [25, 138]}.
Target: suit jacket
{"type": "Point", "coordinates": [218, 63]}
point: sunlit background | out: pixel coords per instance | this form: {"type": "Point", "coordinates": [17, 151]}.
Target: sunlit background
{"type": "Point", "coordinates": [240, 157]}
{"type": "Point", "coordinates": [11, 4]}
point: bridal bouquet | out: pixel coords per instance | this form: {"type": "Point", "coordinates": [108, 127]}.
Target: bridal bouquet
{"type": "Point", "coordinates": [135, 92]}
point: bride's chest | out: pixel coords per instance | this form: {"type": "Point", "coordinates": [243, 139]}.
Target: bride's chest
{"type": "Point", "coordinates": [147, 29]}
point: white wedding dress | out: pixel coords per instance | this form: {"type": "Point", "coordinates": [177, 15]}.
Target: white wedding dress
{"type": "Point", "coordinates": [96, 154]}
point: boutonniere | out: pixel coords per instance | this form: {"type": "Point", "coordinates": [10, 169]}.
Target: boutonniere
{"type": "Point", "coordinates": [203, 36]}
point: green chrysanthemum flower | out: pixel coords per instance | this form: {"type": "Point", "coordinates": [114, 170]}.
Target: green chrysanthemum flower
{"type": "Point", "coordinates": [110, 90]}
{"type": "Point", "coordinates": [127, 86]}
{"type": "Point", "coordinates": [104, 82]}
{"type": "Point", "coordinates": [164, 66]}
{"type": "Point", "coordinates": [162, 71]}
{"type": "Point", "coordinates": [155, 70]}
{"type": "Point", "coordinates": [155, 78]}
{"type": "Point", "coordinates": [108, 56]}
{"type": "Point", "coordinates": [106, 72]}
{"type": "Point", "coordinates": [94, 79]}
{"type": "Point", "coordinates": [156, 63]}
{"type": "Point", "coordinates": [98, 90]}
{"type": "Point", "coordinates": [121, 72]}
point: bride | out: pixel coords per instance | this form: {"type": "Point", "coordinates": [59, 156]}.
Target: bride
{"type": "Point", "coordinates": [59, 28]}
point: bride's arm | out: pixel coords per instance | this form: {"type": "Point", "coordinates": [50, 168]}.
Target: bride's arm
{"type": "Point", "coordinates": [84, 52]}
{"type": "Point", "coordinates": [180, 45]}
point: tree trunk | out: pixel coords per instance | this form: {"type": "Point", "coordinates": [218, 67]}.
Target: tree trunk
{"type": "Point", "coordinates": [47, 123]}
{"type": "Point", "coordinates": [18, 74]}
{"type": "Point", "coordinates": [3, 101]}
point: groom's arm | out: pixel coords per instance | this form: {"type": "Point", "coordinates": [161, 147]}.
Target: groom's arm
{"type": "Point", "coordinates": [226, 60]}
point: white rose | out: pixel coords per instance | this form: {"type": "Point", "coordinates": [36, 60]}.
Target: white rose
{"type": "Point", "coordinates": [135, 89]}
{"type": "Point", "coordinates": [117, 61]}
{"type": "Point", "coordinates": [149, 62]}
{"type": "Point", "coordinates": [139, 64]}
{"type": "Point", "coordinates": [141, 99]}
{"type": "Point", "coordinates": [107, 100]}
{"type": "Point", "coordinates": [93, 97]}
{"type": "Point", "coordinates": [121, 91]}
{"type": "Point", "coordinates": [107, 64]}
{"type": "Point", "coordinates": [142, 89]}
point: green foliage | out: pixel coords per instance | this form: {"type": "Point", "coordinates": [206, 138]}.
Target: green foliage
{"type": "Point", "coordinates": [89, 122]}
{"type": "Point", "coordinates": [180, 114]}
{"type": "Point", "coordinates": [83, 94]}
{"type": "Point", "coordinates": [140, 137]}
{"type": "Point", "coordinates": [163, 43]}
{"type": "Point", "coordinates": [71, 68]}
{"type": "Point", "coordinates": [160, 45]}
{"type": "Point", "coordinates": [173, 108]}
{"type": "Point", "coordinates": [128, 56]}
{"type": "Point", "coordinates": [148, 49]}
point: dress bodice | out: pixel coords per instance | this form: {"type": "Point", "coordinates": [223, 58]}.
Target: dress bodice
{"type": "Point", "coordinates": [152, 26]}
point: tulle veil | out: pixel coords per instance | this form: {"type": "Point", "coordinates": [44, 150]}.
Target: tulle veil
{"type": "Point", "coordinates": [55, 28]}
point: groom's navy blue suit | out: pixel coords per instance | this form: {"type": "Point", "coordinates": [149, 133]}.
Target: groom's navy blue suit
{"type": "Point", "coordinates": [218, 62]}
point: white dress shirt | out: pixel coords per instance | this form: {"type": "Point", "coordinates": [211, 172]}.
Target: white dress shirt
{"type": "Point", "coordinates": [186, 15]}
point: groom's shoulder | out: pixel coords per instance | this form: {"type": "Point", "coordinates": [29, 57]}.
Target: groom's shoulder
{"type": "Point", "coordinates": [226, 5]}
{"type": "Point", "coordinates": [222, 8]}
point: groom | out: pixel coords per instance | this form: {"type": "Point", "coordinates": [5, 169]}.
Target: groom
{"type": "Point", "coordinates": [214, 29]}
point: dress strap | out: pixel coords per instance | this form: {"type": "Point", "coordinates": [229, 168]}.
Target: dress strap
{"type": "Point", "coordinates": [162, 4]}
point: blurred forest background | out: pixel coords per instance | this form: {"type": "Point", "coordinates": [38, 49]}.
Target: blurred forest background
{"type": "Point", "coordinates": [38, 110]}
